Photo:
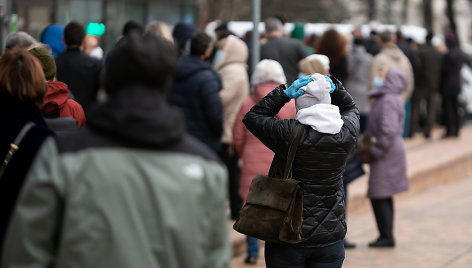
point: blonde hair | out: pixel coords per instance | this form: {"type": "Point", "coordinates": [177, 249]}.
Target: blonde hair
{"type": "Point", "coordinates": [315, 63]}
{"type": "Point", "coordinates": [158, 28]}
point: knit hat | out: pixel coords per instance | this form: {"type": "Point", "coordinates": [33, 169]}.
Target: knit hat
{"type": "Point", "coordinates": [268, 71]}
{"type": "Point", "coordinates": [47, 61]}
{"type": "Point", "coordinates": [136, 59]}
{"type": "Point", "coordinates": [182, 33]}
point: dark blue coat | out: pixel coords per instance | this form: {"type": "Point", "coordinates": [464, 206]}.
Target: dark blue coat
{"type": "Point", "coordinates": [195, 92]}
{"type": "Point", "coordinates": [13, 116]}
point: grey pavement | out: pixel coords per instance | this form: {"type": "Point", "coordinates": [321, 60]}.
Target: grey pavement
{"type": "Point", "coordinates": [433, 219]}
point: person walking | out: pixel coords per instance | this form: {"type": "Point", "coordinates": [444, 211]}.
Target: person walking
{"type": "Point", "coordinates": [254, 155]}
{"type": "Point", "coordinates": [195, 92]}
{"type": "Point", "coordinates": [22, 93]}
{"type": "Point", "coordinates": [132, 189]}
{"type": "Point", "coordinates": [388, 167]}
{"type": "Point", "coordinates": [329, 133]}
{"type": "Point", "coordinates": [77, 69]}
{"type": "Point", "coordinates": [231, 65]}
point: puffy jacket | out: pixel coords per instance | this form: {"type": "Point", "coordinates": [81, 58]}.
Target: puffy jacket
{"type": "Point", "coordinates": [232, 69]}
{"type": "Point", "coordinates": [256, 157]}
{"type": "Point", "coordinates": [131, 190]}
{"type": "Point", "coordinates": [195, 92]}
{"type": "Point", "coordinates": [319, 161]}
{"type": "Point", "coordinates": [57, 92]}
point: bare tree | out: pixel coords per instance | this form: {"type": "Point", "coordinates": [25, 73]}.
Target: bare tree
{"type": "Point", "coordinates": [428, 14]}
{"type": "Point", "coordinates": [451, 16]}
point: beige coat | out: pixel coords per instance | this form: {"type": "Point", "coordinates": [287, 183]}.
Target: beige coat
{"type": "Point", "coordinates": [232, 69]}
{"type": "Point", "coordinates": [393, 57]}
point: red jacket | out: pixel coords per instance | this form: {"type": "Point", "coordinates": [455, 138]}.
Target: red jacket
{"type": "Point", "coordinates": [57, 92]}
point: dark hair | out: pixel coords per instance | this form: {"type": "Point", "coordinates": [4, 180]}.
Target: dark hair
{"type": "Point", "coordinates": [74, 34]}
{"type": "Point", "coordinates": [333, 45]}
{"type": "Point", "coordinates": [140, 59]}
{"type": "Point", "coordinates": [22, 77]}
{"type": "Point", "coordinates": [429, 36]}
{"type": "Point", "coordinates": [132, 26]}
{"type": "Point", "coordinates": [199, 43]}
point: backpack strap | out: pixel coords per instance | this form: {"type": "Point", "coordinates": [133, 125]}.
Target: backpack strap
{"type": "Point", "coordinates": [14, 146]}
{"type": "Point", "coordinates": [292, 150]}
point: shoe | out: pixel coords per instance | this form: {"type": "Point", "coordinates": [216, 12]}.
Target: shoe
{"type": "Point", "coordinates": [348, 245]}
{"type": "Point", "coordinates": [383, 243]}
{"type": "Point", "coordinates": [250, 260]}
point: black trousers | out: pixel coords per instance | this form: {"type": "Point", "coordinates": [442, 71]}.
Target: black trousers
{"type": "Point", "coordinates": [431, 107]}
{"type": "Point", "coordinates": [229, 157]}
{"type": "Point", "coordinates": [383, 211]}
{"type": "Point", "coordinates": [450, 112]}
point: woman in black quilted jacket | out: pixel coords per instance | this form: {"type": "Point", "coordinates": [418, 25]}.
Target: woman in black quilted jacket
{"type": "Point", "coordinates": [330, 122]}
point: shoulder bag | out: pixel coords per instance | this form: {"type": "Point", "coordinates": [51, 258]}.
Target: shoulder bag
{"type": "Point", "coordinates": [274, 207]}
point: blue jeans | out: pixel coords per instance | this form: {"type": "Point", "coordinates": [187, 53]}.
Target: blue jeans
{"type": "Point", "coordinates": [252, 246]}
{"type": "Point", "coordinates": [288, 256]}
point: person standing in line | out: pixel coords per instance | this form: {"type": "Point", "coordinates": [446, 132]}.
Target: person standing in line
{"type": "Point", "coordinates": [182, 33]}
{"type": "Point", "coordinates": [427, 87]}
{"type": "Point", "coordinates": [19, 41]}
{"type": "Point", "coordinates": [330, 125]}
{"type": "Point", "coordinates": [77, 69]}
{"type": "Point", "coordinates": [22, 93]}
{"type": "Point", "coordinates": [286, 51]}
{"type": "Point", "coordinates": [334, 46]}
{"type": "Point", "coordinates": [388, 167]}
{"type": "Point", "coordinates": [230, 63]}
{"type": "Point", "coordinates": [450, 85]}
{"type": "Point", "coordinates": [195, 92]}
{"type": "Point", "coordinates": [133, 189]}
{"type": "Point", "coordinates": [58, 93]}
{"type": "Point", "coordinates": [255, 156]}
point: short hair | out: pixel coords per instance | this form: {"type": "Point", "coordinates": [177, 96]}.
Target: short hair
{"type": "Point", "coordinates": [272, 24]}
{"type": "Point", "coordinates": [199, 43]}
{"type": "Point", "coordinates": [140, 59]}
{"type": "Point", "coordinates": [20, 39]}
{"type": "Point", "coordinates": [132, 26]}
{"type": "Point", "coordinates": [158, 28]}
{"type": "Point", "coordinates": [74, 34]}
{"type": "Point", "coordinates": [386, 36]}
{"type": "Point", "coordinates": [22, 78]}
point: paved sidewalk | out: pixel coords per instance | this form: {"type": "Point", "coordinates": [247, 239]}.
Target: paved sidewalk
{"type": "Point", "coordinates": [432, 229]}
{"type": "Point", "coordinates": [431, 164]}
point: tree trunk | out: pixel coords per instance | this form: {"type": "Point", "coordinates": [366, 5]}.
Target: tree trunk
{"type": "Point", "coordinates": [451, 16]}
{"type": "Point", "coordinates": [428, 15]}
{"type": "Point", "coordinates": [372, 10]}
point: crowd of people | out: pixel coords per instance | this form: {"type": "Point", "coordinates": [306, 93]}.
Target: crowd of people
{"type": "Point", "coordinates": [132, 157]}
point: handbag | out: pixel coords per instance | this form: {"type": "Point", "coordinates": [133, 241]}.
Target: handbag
{"type": "Point", "coordinates": [363, 150]}
{"type": "Point", "coordinates": [274, 207]}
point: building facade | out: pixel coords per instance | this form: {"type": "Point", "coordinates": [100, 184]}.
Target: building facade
{"type": "Point", "coordinates": [33, 16]}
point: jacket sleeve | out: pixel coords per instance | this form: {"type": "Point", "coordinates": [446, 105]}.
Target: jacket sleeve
{"type": "Point", "coordinates": [35, 228]}
{"type": "Point", "coordinates": [273, 133]}
{"type": "Point", "coordinates": [388, 129]}
{"type": "Point", "coordinates": [239, 138]}
{"type": "Point", "coordinates": [211, 103]}
{"type": "Point", "coordinates": [347, 107]}
{"type": "Point", "coordinates": [218, 249]}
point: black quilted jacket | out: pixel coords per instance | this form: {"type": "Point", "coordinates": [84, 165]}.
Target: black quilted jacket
{"type": "Point", "coordinates": [319, 162]}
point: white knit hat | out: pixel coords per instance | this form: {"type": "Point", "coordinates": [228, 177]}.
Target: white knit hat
{"type": "Point", "coordinates": [267, 71]}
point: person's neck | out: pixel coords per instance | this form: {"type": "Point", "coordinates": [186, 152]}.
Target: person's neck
{"type": "Point", "coordinates": [74, 48]}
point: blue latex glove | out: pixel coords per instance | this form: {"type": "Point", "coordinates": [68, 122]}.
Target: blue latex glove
{"type": "Point", "coordinates": [333, 87]}
{"type": "Point", "coordinates": [294, 90]}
